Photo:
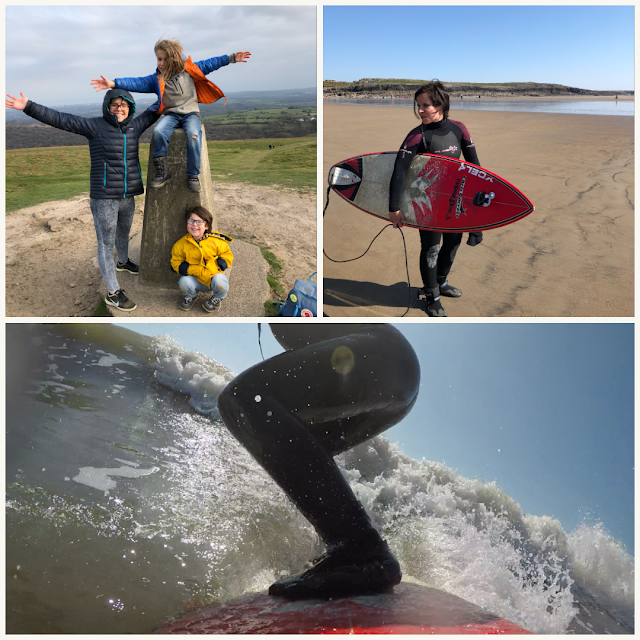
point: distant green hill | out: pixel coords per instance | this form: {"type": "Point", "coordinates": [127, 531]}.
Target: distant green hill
{"type": "Point", "coordinates": [55, 173]}
{"type": "Point", "coordinates": [226, 125]}
{"type": "Point", "coordinates": [389, 86]}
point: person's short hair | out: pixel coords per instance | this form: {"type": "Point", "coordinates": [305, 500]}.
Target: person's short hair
{"type": "Point", "coordinates": [437, 94]}
{"type": "Point", "coordinates": [202, 213]}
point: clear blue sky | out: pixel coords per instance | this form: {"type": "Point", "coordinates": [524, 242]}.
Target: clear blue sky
{"type": "Point", "coordinates": [590, 47]}
{"type": "Point", "coordinates": [545, 410]}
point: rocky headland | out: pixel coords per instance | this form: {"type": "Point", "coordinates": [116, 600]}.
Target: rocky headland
{"type": "Point", "coordinates": [390, 88]}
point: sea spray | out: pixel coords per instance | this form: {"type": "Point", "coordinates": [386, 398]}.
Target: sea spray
{"type": "Point", "coordinates": [464, 536]}
{"type": "Point", "coordinates": [603, 568]}
{"type": "Point", "coordinates": [191, 373]}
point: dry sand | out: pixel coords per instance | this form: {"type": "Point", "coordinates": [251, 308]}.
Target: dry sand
{"type": "Point", "coordinates": [573, 257]}
{"type": "Point", "coordinates": [51, 265]}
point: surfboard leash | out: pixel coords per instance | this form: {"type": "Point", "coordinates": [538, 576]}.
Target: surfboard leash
{"type": "Point", "coordinates": [259, 336]}
{"type": "Point", "coordinates": [406, 260]}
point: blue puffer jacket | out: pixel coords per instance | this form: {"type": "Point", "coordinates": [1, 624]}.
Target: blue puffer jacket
{"type": "Point", "coordinates": [153, 83]}
{"type": "Point", "coordinates": [115, 168]}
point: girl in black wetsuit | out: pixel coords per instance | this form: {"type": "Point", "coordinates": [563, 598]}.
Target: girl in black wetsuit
{"type": "Point", "coordinates": [436, 134]}
{"type": "Point", "coordinates": [335, 386]}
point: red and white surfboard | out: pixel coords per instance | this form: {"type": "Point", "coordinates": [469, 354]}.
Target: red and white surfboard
{"type": "Point", "coordinates": [408, 609]}
{"type": "Point", "coordinates": [439, 193]}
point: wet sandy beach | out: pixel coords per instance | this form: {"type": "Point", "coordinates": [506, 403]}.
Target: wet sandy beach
{"type": "Point", "coordinates": [573, 257]}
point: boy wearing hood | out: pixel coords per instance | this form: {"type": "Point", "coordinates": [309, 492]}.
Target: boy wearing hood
{"type": "Point", "coordinates": [115, 176]}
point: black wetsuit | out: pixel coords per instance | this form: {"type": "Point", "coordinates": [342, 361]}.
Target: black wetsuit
{"type": "Point", "coordinates": [335, 386]}
{"type": "Point", "coordinates": [446, 138]}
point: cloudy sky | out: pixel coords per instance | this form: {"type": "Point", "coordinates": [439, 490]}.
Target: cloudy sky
{"type": "Point", "coordinates": [52, 52]}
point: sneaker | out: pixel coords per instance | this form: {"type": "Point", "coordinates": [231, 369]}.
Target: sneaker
{"type": "Point", "coordinates": [449, 291]}
{"type": "Point", "coordinates": [162, 172]}
{"type": "Point", "coordinates": [193, 183]}
{"type": "Point", "coordinates": [212, 304]}
{"type": "Point", "coordinates": [120, 300]}
{"type": "Point", "coordinates": [187, 303]}
{"type": "Point", "coordinates": [344, 570]}
{"type": "Point", "coordinates": [127, 266]}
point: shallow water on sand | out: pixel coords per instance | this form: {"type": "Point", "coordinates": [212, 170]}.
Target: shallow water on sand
{"type": "Point", "coordinates": [570, 107]}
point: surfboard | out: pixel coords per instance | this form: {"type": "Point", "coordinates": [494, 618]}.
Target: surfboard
{"type": "Point", "coordinates": [439, 193]}
{"type": "Point", "coordinates": [410, 608]}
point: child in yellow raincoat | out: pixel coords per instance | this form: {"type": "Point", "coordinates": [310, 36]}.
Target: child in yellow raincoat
{"type": "Point", "coordinates": [201, 258]}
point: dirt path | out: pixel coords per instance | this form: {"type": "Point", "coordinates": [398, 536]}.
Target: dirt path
{"type": "Point", "coordinates": [51, 265]}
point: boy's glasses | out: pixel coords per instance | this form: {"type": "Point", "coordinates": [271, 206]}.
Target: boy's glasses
{"type": "Point", "coordinates": [117, 107]}
{"type": "Point", "coordinates": [195, 223]}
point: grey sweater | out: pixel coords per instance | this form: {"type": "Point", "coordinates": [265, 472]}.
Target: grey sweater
{"type": "Point", "coordinates": [180, 93]}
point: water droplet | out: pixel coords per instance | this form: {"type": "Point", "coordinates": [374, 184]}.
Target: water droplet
{"type": "Point", "coordinates": [258, 398]}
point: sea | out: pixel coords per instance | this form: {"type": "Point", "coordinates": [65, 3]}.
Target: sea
{"type": "Point", "coordinates": [568, 106]}
{"type": "Point", "coordinates": [128, 503]}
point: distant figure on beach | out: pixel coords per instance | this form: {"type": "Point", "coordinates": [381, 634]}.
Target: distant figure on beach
{"type": "Point", "coordinates": [436, 134]}
{"type": "Point", "coordinates": [616, 96]}
{"type": "Point", "coordinates": [115, 176]}
{"type": "Point", "coordinates": [334, 387]}
{"type": "Point", "coordinates": [180, 85]}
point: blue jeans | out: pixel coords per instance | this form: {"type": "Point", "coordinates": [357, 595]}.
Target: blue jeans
{"type": "Point", "coordinates": [167, 124]}
{"type": "Point", "coordinates": [190, 286]}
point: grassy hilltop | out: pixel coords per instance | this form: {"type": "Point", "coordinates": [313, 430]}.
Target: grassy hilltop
{"type": "Point", "coordinates": [55, 173]}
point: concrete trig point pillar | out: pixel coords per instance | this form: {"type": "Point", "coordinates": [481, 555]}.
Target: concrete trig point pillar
{"type": "Point", "coordinates": [164, 211]}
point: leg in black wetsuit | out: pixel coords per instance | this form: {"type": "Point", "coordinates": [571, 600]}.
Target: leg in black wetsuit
{"type": "Point", "coordinates": [435, 264]}
{"type": "Point", "coordinates": [336, 386]}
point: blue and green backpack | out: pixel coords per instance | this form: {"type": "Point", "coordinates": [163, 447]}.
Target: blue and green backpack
{"type": "Point", "coordinates": [302, 300]}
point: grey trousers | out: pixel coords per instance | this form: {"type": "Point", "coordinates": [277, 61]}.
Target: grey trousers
{"type": "Point", "coordinates": [112, 218]}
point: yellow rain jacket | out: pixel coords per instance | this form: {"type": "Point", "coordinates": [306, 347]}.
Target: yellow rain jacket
{"type": "Point", "coordinates": [201, 256]}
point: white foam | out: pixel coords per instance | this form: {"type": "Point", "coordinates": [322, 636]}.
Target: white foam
{"type": "Point", "coordinates": [110, 360]}
{"type": "Point", "coordinates": [101, 478]}
{"type": "Point", "coordinates": [57, 387]}
{"type": "Point", "coordinates": [471, 539]}
{"type": "Point", "coordinates": [603, 566]}
{"type": "Point", "coordinates": [191, 373]}
{"type": "Point", "coordinates": [53, 370]}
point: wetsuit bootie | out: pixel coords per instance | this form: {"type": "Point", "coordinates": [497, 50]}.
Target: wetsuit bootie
{"type": "Point", "coordinates": [434, 308]}
{"type": "Point", "coordinates": [447, 290]}
{"type": "Point", "coordinates": [432, 305]}
{"type": "Point", "coordinates": [345, 569]}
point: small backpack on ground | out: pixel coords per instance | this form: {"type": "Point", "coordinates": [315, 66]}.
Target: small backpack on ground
{"type": "Point", "coordinates": [302, 300]}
